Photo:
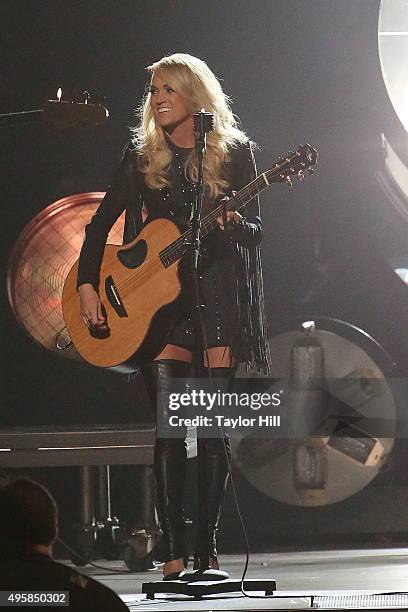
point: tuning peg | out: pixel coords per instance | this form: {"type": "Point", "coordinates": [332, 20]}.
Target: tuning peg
{"type": "Point", "coordinates": [86, 96]}
{"type": "Point", "coordinates": [310, 171]}
{"type": "Point", "coordinates": [300, 175]}
{"type": "Point", "coordinates": [289, 181]}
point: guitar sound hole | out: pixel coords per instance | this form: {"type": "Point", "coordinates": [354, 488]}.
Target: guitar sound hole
{"type": "Point", "coordinates": [135, 256]}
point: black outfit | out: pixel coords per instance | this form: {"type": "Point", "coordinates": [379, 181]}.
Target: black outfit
{"type": "Point", "coordinates": [231, 266]}
{"type": "Point", "coordinates": [39, 572]}
{"type": "Point", "coordinates": [233, 316]}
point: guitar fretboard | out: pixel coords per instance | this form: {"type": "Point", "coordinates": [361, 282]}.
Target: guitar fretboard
{"type": "Point", "coordinates": [179, 247]}
{"type": "Point", "coordinates": [294, 163]}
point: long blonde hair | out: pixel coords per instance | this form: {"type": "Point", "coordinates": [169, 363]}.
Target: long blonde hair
{"type": "Point", "coordinates": [200, 88]}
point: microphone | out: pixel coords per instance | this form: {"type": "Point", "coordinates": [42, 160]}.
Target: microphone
{"type": "Point", "coordinates": [203, 122]}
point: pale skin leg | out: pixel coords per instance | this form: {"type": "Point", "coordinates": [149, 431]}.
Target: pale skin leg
{"type": "Point", "coordinates": [218, 357]}
{"type": "Point", "coordinates": [215, 357]}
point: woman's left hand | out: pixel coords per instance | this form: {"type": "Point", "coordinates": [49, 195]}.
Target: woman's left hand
{"type": "Point", "coordinates": [232, 215]}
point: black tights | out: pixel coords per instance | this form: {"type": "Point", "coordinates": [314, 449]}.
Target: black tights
{"type": "Point", "coordinates": [170, 459]}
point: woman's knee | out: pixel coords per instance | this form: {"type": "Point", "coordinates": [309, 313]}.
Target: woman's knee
{"type": "Point", "coordinates": [219, 357]}
{"type": "Point", "coordinates": [175, 353]}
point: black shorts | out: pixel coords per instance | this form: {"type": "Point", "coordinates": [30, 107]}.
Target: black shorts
{"type": "Point", "coordinates": [217, 289]}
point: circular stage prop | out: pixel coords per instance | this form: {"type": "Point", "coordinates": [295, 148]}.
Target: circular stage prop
{"type": "Point", "coordinates": [40, 261]}
{"type": "Point", "coordinates": [325, 469]}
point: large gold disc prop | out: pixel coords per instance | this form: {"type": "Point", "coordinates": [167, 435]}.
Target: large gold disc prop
{"type": "Point", "coordinates": [39, 264]}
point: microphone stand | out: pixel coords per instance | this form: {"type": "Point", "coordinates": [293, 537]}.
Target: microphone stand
{"type": "Point", "coordinates": [203, 123]}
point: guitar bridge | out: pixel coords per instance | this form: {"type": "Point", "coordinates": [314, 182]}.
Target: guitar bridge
{"type": "Point", "coordinates": [114, 298]}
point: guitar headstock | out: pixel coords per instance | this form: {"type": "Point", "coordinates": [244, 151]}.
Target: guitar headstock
{"type": "Point", "coordinates": [294, 164]}
{"type": "Point", "coordinates": [61, 114]}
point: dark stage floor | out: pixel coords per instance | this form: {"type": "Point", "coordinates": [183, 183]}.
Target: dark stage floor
{"type": "Point", "coordinates": [341, 579]}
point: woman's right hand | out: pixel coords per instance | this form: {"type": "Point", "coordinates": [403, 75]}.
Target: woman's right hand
{"type": "Point", "coordinates": [90, 306]}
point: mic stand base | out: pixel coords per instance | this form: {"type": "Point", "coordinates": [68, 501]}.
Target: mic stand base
{"type": "Point", "coordinates": [198, 590]}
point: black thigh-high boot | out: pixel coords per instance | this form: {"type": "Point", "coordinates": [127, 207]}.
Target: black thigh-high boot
{"type": "Point", "coordinates": [170, 459]}
{"type": "Point", "coordinates": [214, 456]}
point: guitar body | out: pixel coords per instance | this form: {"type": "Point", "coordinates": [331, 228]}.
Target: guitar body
{"type": "Point", "coordinates": [139, 295]}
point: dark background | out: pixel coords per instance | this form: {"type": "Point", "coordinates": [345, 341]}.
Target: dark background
{"type": "Point", "coordinates": [298, 71]}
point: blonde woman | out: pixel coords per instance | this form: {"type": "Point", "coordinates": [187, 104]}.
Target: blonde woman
{"type": "Point", "coordinates": [156, 179]}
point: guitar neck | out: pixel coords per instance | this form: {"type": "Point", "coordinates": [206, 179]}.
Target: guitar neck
{"type": "Point", "coordinates": [179, 247]}
{"type": "Point", "coordinates": [293, 164]}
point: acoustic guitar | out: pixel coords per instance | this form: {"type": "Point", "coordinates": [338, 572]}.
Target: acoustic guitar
{"type": "Point", "coordinates": [140, 281]}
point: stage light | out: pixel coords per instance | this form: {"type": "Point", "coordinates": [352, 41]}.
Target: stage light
{"type": "Point", "coordinates": [393, 51]}
{"type": "Point", "coordinates": [403, 274]}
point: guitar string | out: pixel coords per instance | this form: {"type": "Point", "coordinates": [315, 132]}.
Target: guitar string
{"type": "Point", "coordinates": [270, 174]}
{"type": "Point", "coordinates": [146, 269]}
{"type": "Point", "coordinates": [174, 247]}
{"type": "Point", "coordinates": [207, 223]}
{"type": "Point", "coordinates": [155, 263]}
